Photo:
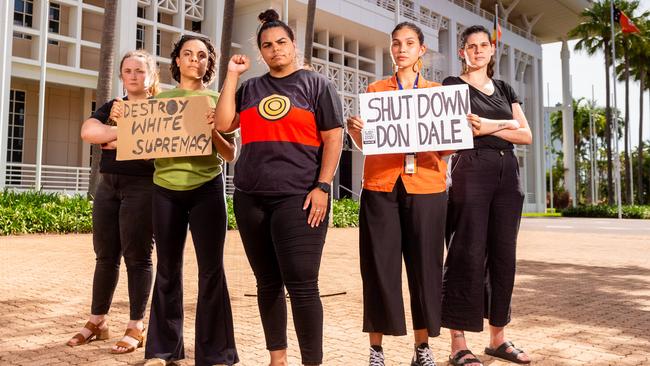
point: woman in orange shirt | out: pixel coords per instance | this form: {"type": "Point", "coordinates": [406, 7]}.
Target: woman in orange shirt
{"type": "Point", "coordinates": [403, 211]}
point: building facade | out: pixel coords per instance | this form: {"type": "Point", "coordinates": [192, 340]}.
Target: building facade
{"type": "Point", "coordinates": [351, 47]}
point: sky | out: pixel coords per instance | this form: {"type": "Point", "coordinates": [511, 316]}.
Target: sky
{"type": "Point", "coordinates": [587, 71]}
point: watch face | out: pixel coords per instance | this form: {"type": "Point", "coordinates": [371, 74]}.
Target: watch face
{"type": "Point", "coordinates": [324, 187]}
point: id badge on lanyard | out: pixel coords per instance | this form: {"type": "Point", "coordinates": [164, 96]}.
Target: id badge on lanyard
{"type": "Point", "coordinates": [410, 159]}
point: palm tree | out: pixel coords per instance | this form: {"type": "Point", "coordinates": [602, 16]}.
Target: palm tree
{"type": "Point", "coordinates": [309, 31]}
{"type": "Point", "coordinates": [594, 33]}
{"type": "Point", "coordinates": [226, 39]}
{"type": "Point", "coordinates": [104, 81]}
{"type": "Point", "coordinates": [581, 135]}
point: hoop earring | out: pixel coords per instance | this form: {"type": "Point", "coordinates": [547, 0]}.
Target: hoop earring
{"type": "Point", "coordinates": [419, 65]}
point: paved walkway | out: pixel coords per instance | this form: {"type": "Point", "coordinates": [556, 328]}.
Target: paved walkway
{"type": "Point", "coordinates": [580, 299]}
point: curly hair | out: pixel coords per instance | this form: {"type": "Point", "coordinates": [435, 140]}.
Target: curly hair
{"type": "Point", "coordinates": [210, 71]}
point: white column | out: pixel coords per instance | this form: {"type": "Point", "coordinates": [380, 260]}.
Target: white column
{"type": "Point", "coordinates": [567, 124]}
{"type": "Point", "coordinates": [452, 41]}
{"type": "Point", "coordinates": [125, 32]}
{"type": "Point", "coordinates": [211, 26]}
{"type": "Point", "coordinates": [6, 21]}
{"type": "Point", "coordinates": [42, 55]}
{"type": "Point", "coordinates": [537, 149]}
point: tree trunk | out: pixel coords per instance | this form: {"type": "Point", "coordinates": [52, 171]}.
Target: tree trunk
{"type": "Point", "coordinates": [627, 153]}
{"type": "Point", "coordinates": [104, 81]}
{"type": "Point", "coordinates": [309, 31]}
{"type": "Point", "coordinates": [639, 172]}
{"type": "Point", "coordinates": [226, 39]}
{"type": "Point", "coordinates": [608, 125]}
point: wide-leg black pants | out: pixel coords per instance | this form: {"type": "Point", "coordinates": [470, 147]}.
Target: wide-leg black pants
{"type": "Point", "coordinates": [204, 208]}
{"type": "Point", "coordinates": [392, 225]}
{"type": "Point", "coordinates": [485, 204]}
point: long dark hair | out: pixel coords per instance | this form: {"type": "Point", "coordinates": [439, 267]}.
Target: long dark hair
{"type": "Point", "coordinates": [463, 42]}
{"type": "Point", "coordinates": [271, 19]}
{"type": "Point", "coordinates": [212, 58]}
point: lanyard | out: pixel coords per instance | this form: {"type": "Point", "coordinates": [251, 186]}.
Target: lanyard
{"type": "Point", "coordinates": [415, 84]}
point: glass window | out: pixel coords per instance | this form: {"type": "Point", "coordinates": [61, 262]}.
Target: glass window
{"type": "Point", "coordinates": [158, 42]}
{"type": "Point", "coordinates": [16, 126]}
{"type": "Point", "coordinates": [54, 18]}
{"type": "Point", "coordinates": [23, 12]}
{"type": "Point", "coordinates": [139, 37]}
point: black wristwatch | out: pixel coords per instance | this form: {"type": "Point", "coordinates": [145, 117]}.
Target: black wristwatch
{"type": "Point", "coordinates": [323, 187]}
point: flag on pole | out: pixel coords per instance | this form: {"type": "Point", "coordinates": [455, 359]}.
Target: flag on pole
{"type": "Point", "coordinates": [496, 31]}
{"type": "Point", "coordinates": [627, 26]}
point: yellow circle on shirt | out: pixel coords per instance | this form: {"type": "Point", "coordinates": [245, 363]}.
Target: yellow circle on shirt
{"type": "Point", "coordinates": [274, 107]}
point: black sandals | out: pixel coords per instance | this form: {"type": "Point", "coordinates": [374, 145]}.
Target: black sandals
{"type": "Point", "coordinates": [500, 352]}
{"type": "Point", "coordinates": [456, 360]}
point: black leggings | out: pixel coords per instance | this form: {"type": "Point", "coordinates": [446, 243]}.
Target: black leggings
{"type": "Point", "coordinates": [204, 208]}
{"type": "Point", "coordinates": [284, 251]}
{"type": "Point", "coordinates": [485, 202]}
{"type": "Point", "coordinates": [122, 227]}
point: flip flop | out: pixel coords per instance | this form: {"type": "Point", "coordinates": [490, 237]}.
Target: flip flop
{"type": "Point", "coordinates": [500, 352]}
{"type": "Point", "coordinates": [456, 360]}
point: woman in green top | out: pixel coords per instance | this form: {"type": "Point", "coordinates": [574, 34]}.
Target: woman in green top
{"type": "Point", "coordinates": [190, 190]}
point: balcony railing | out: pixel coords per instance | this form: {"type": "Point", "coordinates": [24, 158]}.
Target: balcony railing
{"type": "Point", "coordinates": [411, 11]}
{"type": "Point", "coordinates": [469, 6]}
{"type": "Point", "coordinates": [55, 178]}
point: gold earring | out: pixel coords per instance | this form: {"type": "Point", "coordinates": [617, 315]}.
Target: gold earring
{"type": "Point", "coordinates": [419, 65]}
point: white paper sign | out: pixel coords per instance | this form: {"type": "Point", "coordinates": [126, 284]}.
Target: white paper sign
{"type": "Point", "coordinates": [414, 120]}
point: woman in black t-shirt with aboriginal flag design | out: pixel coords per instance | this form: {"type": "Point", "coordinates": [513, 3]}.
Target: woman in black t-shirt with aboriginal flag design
{"type": "Point", "coordinates": [291, 132]}
{"type": "Point", "coordinates": [485, 203]}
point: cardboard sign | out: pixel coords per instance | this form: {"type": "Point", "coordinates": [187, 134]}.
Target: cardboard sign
{"type": "Point", "coordinates": [163, 128]}
{"type": "Point", "coordinates": [406, 121]}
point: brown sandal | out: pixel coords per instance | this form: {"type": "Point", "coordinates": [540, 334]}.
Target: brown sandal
{"type": "Point", "coordinates": [132, 333]}
{"type": "Point", "coordinates": [95, 334]}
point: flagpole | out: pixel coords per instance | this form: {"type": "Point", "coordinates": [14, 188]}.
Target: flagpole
{"type": "Point", "coordinates": [617, 160]}
{"type": "Point", "coordinates": [592, 148]}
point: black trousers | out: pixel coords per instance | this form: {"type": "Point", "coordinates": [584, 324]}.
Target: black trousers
{"type": "Point", "coordinates": [485, 204]}
{"type": "Point", "coordinates": [122, 227]}
{"type": "Point", "coordinates": [392, 225]}
{"type": "Point", "coordinates": [204, 208]}
{"type": "Point", "coordinates": [284, 251]}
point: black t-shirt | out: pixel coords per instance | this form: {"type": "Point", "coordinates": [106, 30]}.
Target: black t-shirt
{"type": "Point", "coordinates": [280, 121]}
{"type": "Point", "coordinates": [108, 164]}
{"type": "Point", "coordinates": [495, 106]}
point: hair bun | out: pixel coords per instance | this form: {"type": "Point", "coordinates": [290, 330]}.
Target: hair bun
{"type": "Point", "coordinates": [269, 15]}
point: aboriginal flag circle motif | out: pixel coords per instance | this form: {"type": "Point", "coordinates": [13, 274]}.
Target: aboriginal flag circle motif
{"type": "Point", "coordinates": [274, 107]}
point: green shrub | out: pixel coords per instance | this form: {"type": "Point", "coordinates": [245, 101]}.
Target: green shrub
{"type": "Point", "coordinates": [345, 213]}
{"type": "Point", "coordinates": [604, 211]}
{"type": "Point", "coordinates": [37, 212]}
{"type": "Point", "coordinates": [232, 224]}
